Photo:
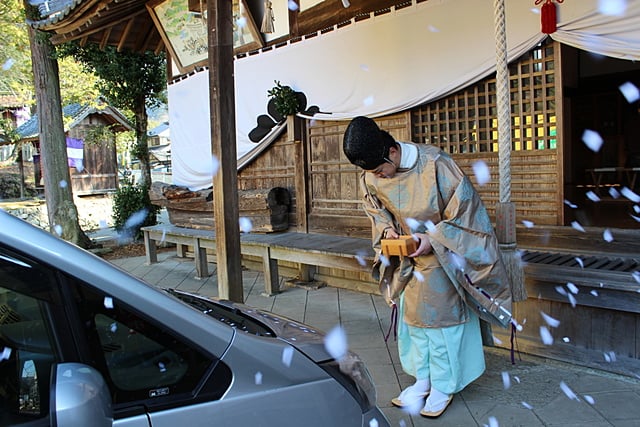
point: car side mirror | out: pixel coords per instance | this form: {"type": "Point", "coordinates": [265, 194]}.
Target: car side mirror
{"type": "Point", "coordinates": [79, 397]}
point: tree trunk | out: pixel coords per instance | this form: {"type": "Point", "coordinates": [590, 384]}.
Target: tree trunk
{"type": "Point", "coordinates": [62, 212]}
{"type": "Point", "coordinates": [142, 148]}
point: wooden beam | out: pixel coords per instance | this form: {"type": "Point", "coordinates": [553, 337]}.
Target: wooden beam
{"type": "Point", "coordinates": [105, 38]}
{"type": "Point", "coordinates": [293, 19]}
{"type": "Point", "coordinates": [223, 148]}
{"type": "Point", "coordinates": [125, 34]}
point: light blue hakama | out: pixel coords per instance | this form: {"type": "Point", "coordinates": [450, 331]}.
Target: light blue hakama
{"type": "Point", "coordinates": [451, 357]}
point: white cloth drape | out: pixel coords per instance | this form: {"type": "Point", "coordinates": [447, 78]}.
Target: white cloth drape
{"type": "Point", "coordinates": [385, 64]}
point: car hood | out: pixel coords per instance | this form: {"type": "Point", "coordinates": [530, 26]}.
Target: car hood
{"type": "Point", "coordinates": [251, 320]}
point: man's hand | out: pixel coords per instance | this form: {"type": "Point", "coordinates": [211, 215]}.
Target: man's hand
{"type": "Point", "coordinates": [424, 245]}
{"type": "Point", "coordinates": [390, 233]}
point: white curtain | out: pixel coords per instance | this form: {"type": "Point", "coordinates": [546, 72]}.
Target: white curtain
{"type": "Point", "coordinates": [385, 64]}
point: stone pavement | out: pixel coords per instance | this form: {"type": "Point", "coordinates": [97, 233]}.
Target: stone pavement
{"type": "Point", "coordinates": [532, 392]}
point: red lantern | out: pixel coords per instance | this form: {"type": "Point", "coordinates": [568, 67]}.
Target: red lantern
{"type": "Point", "coordinates": [548, 18]}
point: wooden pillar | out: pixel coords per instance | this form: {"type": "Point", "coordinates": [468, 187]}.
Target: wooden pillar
{"type": "Point", "coordinates": [223, 148]}
{"type": "Point", "coordinates": [295, 134]}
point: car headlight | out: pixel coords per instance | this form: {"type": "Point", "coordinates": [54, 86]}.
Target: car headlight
{"type": "Point", "coordinates": [351, 372]}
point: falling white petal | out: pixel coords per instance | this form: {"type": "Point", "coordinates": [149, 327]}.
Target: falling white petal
{"type": "Point", "coordinates": [374, 422]}
{"type": "Point", "coordinates": [612, 7]}
{"type": "Point", "coordinates": [360, 258]}
{"type": "Point", "coordinates": [545, 335]}
{"type": "Point", "coordinates": [554, 323]}
{"type": "Point", "coordinates": [577, 226]}
{"type": "Point", "coordinates": [630, 92]}
{"type": "Point", "coordinates": [287, 356]}
{"type": "Point", "coordinates": [493, 422]}
{"type": "Point", "coordinates": [6, 354]}
{"type": "Point", "coordinates": [517, 378]}
{"type": "Point", "coordinates": [414, 407]}
{"type": "Point", "coordinates": [245, 225]}
{"type": "Point", "coordinates": [526, 405]}
{"type": "Point", "coordinates": [481, 172]}
{"type": "Point", "coordinates": [607, 236]}
{"type": "Point", "coordinates": [345, 3]}
{"type": "Point", "coordinates": [637, 218]}
{"type": "Point", "coordinates": [636, 208]}
{"type": "Point", "coordinates": [594, 292]}
{"type": "Point", "coordinates": [241, 22]}
{"type": "Point", "coordinates": [636, 276]}
{"type": "Point", "coordinates": [515, 323]}
{"type": "Point", "coordinates": [258, 378]}
{"type": "Point", "coordinates": [413, 224]}
{"type": "Point", "coordinates": [8, 64]}
{"type": "Point", "coordinates": [579, 261]}
{"type": "Point", "coordinates": [431, 227]}
{"type": "Point", "coordinates": [593, 196]}
{"type": "Point", "coordinates": [592, 140]}
{"type": "Point", "coordinates": [630, 195]}
{"type": "Point", "coordinates": [419, 276]}
{"type": "Point", "coordinates": [103, 223]}
{"type": "Point", "coordinates": [571, 205]}
{"type": "Point", "coordinates": [561, 290]}
{"type": "Point", "coordinates": [496, 340]}
{"type": "Point", "coordinates": [293, 6]}
{"type": "Point", "coordinates": [384, 261]}
{"type": "Point", "coordinates": [566, 339]}
{"type": "Point", "coordinates": [528, 224]}
{"type": "Point", "coordinates": [58, 229]}
{"type": "Point", "coordinates": [113, 327]}
{"type": "Point", "coordinates": [335, 342]}
{"type": "Point", "coordinates": [506, 380]}
{"type": "Point", "coordinates": [457, 261]}
{"type": "Point", "coordinates": [108, 302]}
{"type": "Point", "coordinates": [136, 218]}
{"type": "Point", "coordinates": [368, 100]}
{"type": "Point", "coordinates": [570, 394]}
{"type": "Point", "coordinates": [162, 367]}
{"type": "Point", "coordinates": [614, 193]}
{"type": "Point", "coordinates": [215, 165]}
{"type": "Point", "coordinates": [63, 184]}
{"type": "Point", "coordinates": [572, 300]}
{"type": "Point", "coordinates": [590, 400]}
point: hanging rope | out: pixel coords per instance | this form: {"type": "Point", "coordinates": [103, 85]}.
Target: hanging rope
{"type": "Point", "coordinates": [505, 211]}
{"type": "Point", "coordinates": [503, 103]}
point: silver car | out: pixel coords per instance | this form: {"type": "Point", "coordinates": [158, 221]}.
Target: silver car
{"type": "Point", "coordinates": [83, 343]}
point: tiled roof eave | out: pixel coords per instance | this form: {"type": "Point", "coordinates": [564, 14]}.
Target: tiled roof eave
{"type": "Point", "coordinates": [57, 16]}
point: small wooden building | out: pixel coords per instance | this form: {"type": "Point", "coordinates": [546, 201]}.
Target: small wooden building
{"type": "Point", "coordinates": [90, 131]}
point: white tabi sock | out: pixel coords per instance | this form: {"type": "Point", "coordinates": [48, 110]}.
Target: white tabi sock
{"type": "Point", "coordinates": [436, 401]}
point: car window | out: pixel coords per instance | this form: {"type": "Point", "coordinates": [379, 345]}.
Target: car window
{"type": "Point", "coordinates": [139, 358]}
{"type": "Point", "coordinates": [26, 344]}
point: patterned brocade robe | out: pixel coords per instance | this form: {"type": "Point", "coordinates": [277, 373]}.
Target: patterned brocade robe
{"type": "Point", "coordinates": [464, 268]}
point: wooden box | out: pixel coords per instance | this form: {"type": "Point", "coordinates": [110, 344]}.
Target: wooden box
{"type": "Point", "coordinates": [402, 246]}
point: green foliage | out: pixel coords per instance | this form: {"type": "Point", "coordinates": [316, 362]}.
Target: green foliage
{"type": "Point", "coordinates": [16, 74]}
{"type": "Point", "coordinates": [15, 55]}
{"type": "Point", "coordinates": [132, 209]}
{"type": "Point", "coordinates": [125, 77]}
{"type": "Point", "coordinates": [8, 131]}
{"type": "Point", "coordinates": [284, 98]}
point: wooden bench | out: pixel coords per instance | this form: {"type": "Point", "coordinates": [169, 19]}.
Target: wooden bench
{"type": "Point", "coordinates": [305, 249]}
